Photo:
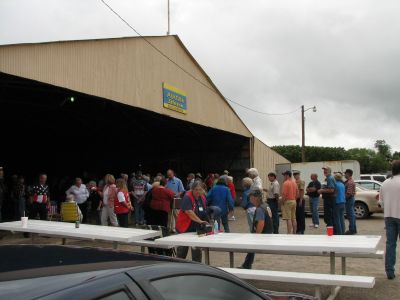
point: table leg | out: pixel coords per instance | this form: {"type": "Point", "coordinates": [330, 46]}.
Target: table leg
{"type": "Point", "coordinates": [115, 245]}
{"type": "Point", "coordinates": [343, 265]}
{"type": "Point", "coordinates": [231, 260]}
{"type": "Point", "coordinates": [33, 237]}
{"type": "Point", "coordinates": [63, 241]}
{"type": "Point", "coordinates": [333, 266]}
{"type": "Point", "coordinates": [207, 256]}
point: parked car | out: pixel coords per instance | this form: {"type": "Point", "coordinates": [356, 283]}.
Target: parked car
{"type": "Point", "coordinates": [369, 184]}
{"type": "Point", "coordinates": [377, 177]}
{"type": "Point", "coordinates": [366, 203]}
{"type": "Point", "coordinates": [62, 272]}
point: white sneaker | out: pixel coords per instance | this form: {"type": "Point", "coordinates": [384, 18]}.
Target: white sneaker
{"type": "Point", "coordinates": [316, 226]}
{"type": "Point", "coordinates": [232, 218]}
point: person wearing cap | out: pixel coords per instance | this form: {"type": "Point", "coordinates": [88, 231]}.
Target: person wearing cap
{"type": "Point", "coordinates": [289, 195]}
{"type": "Point", "coordinates": [350, 187]}
{"type": "Point", "coordinates": [328, 195]}
{"type": "Point", "coordinates": [390, 199]}
{"type": "Point", "coordinates": [300, 213]}
{"type": "Point", "coordinates": [221, 197]}
{"type": "Point", "coordinates": [262, 221]}
{"type": "Point", "coordinates": [313, 195]}
{"type": "Point", "coordinates": [226, 172]}
{"type": "Point", "coordinates": [273, 200]}
{"type": "Point", "coordinates": [338, 219]}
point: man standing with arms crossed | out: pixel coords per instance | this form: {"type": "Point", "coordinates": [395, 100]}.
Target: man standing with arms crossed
{"type": "Point", "coordinates": [350, 187]}
{"type": "Point", "coordinates": [273, 200]}
{"type": "Point", "coordinates": [289, 195]}
{"type": "Point", "coordinates": [390, 199]}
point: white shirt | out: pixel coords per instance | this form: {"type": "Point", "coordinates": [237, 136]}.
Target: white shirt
{"type": "Point", "coordinates": [257, 183]}
{"type": "Point", "coordinates": [273, 189]}
{"type": "Point", "coordinates": [390, 197]}
{"type": "Point", "coordinates": [121, 197]}
{"type": "Point", "coordinates": [81, 193]}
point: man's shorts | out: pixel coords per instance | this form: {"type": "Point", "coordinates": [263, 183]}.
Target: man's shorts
{"type": "Point", "coordinates": [289, 210]}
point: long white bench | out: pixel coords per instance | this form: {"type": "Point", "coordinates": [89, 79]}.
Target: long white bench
{"type": "Point", "coordinates": [306, 278]}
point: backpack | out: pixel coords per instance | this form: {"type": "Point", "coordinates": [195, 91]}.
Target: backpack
{"type": "Point", "coordinates": [268, 227]}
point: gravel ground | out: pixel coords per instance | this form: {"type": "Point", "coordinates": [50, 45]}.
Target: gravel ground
{"type": "Point", "coordinates": [384, 289]}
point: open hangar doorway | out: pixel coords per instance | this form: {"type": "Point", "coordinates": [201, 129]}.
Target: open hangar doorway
{"type": "Point", "coordinates": [61, 132]}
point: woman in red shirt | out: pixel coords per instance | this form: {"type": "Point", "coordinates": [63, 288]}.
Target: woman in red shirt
{"type": "Point", "coordinates": [160, 205]}
{"type": "Point", "coordinates": [122, 205]}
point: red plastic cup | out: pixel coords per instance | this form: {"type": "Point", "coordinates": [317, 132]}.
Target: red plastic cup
{"type": "Point", "coordinates": [329, 230]}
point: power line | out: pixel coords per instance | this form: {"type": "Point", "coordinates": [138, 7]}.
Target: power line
{"type": "Point", "coordinates": [187, 72]}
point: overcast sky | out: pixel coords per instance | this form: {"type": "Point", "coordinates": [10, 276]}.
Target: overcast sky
{"type": "Point", "coordinates": [273, 56]}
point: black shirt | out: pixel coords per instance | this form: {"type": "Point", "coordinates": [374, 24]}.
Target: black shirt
{"type": "Point", "coordinates": [314, 184]}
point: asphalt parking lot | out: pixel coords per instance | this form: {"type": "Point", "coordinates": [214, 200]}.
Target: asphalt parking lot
{"type": "Point", "coordinates": [384, 289]}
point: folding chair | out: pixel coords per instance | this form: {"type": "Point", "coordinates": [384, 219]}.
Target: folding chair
{"type": "Point", "coordinates": [69, 212]}
{"type": "Point", "coordinates": [53, 212]}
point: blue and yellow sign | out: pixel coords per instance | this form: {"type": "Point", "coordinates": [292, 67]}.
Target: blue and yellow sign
{"type": "Point", "coordinates": [174, 98]}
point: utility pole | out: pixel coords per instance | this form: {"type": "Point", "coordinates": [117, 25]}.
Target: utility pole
{"type": "Point", "coordinates": [303, 138]}
{"type": "Point", "coordinates": [303, 146]}
{"type": "Point", "coordinates": [168, 31]}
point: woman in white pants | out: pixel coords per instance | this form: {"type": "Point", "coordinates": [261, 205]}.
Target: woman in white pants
{"type": "Point", "coordinates": [109, 196]}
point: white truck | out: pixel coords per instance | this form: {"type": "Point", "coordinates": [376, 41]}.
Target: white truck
{"type": "Point", "coordinates": [307, 168]}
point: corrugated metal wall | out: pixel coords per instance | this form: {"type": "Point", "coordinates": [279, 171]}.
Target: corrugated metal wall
{"type": "Point", "coordinates": [126, 70]}
{"type": "Point", "coordinates": [265, 159]}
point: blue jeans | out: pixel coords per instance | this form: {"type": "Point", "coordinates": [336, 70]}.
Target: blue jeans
{"type": "Point", "coordinates": [350, 215]}
{"type": "Point", "coordinates": [338, 219]}
{"type": "Point", "coordinates": [224, 221]}
{"type": "Point", "coordinates": [273, 205]}
{"type": "Point", "coordinates": [314, 205]}
{"type": "Point", "coordinates": [392, 234]}
{"type": "Point", "coordinates": [139, 213]}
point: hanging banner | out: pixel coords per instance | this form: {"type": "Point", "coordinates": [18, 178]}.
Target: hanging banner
{"type": "Point", "coordinates": [174, 98]}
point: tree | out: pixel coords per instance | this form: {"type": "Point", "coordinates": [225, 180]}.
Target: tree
{"type": "Point", "coordinates": [383, 149]}
{"type": "Point", "coordinates": [396, 155]}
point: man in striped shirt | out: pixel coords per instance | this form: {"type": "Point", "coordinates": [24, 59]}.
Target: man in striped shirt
{"type": "Point", "coordinates": [350, 187]}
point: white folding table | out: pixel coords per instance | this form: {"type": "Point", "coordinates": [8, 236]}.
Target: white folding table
{"type": "Point", "coordinates": [277, 242]}
{"type": "Point", "coordinates": [85, 231]}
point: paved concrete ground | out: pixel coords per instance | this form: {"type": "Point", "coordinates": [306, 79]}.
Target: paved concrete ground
{"type": "Point", "coordinates": [384, 289]}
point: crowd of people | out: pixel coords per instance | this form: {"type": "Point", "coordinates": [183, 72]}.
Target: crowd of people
{"type": "Point", "coordinates": [152, 201]}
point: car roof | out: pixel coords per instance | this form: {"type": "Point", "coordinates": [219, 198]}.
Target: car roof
{"type": "Point", "coordinates": [368, 180]}
{"type": "Point", "coordinates": [46, 286]}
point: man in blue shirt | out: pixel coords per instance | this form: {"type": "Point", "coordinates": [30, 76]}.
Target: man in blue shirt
{"type": "Point", "coordinates": [221, 197]}
{"type": "Point", "coordinates": [338, 220]}
{"type": "Point", "coordinates": [174, 183]}
{"type": "Point", "coordinates": [328, 195]}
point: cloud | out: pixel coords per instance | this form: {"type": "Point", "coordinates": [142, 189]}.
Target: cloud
{"type": "Point", "coordinates": [273, 56]}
